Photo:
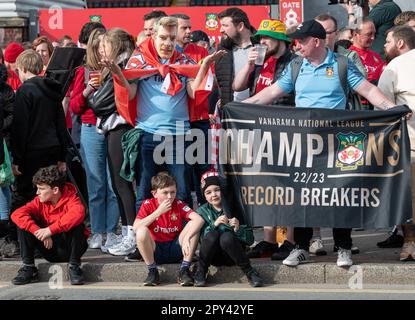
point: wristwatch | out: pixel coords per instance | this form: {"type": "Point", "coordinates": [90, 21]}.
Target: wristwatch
{"type": "Point", "coordinates": [351, 14]}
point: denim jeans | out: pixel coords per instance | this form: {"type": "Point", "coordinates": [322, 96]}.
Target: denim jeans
{"type": "Point", "coordinates": [147, 167]}
{"type": "Point", "coordinates": [103, 205]}
{"type": "Point", "coordinates": [5, 197]}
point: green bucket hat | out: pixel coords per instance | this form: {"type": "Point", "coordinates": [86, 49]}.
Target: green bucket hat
{"type": "Point", "coordinates": [272, 28]}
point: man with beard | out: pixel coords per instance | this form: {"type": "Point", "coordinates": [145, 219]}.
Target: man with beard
{"type": "Point", "coordinates": [396, 82]}
{"type": "Point", "coordinates": [236, 40]}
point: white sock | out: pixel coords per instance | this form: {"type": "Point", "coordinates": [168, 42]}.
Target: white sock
{"type": "Point", "coordinates": [130, 233]}
{"type": "Point", "coordinates": [124, 231]}
{"type": "Point", "coordinates": [400, 232]}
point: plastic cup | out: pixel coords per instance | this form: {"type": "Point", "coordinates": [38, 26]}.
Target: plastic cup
{"type": "Point", "coordinates": [262, 50]}
{"type": "Point", "coordinates": [96, 75]}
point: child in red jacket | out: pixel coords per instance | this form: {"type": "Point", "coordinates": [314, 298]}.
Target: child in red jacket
{"type": "Point", "coordinates": [52, 223]}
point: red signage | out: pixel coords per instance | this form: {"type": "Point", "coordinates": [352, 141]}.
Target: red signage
{"type": "Point", "coordinates": [56, 23]}
{"type": "Point", "coordinates": [291, 12]}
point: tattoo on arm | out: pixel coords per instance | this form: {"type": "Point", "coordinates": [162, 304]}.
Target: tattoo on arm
{"type": "Point", "coordinates": [385, 105]}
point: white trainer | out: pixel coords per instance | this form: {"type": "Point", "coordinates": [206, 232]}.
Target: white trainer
{"type": "Point", "coordinates": [344, 258]}
{"type": "Point", "coordinates": [112, 240]}
{"type": "Point", "coordinates": [95, 242]}
{"type": "Point", "coordinates": [126, 247]}
{"type": "Point", "coordinates": [317, 248]}
{"type": "Point", "coordinates": [296, 257]}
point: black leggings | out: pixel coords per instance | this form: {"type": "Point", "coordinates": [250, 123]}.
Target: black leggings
{"type": "Point", "coordinates": [122, 188]}
{"type": "Point", "coordinates": [221, 249]}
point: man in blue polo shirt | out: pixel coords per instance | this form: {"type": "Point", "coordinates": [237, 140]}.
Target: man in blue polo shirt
{"type": "Point", "coordinates": [318, 86]}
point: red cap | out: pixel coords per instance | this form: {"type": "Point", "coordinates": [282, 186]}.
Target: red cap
{"type": "Point", "coordinates": [13, 50]}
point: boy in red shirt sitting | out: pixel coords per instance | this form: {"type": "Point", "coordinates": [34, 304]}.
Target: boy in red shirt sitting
{"type": "Point", "coordinates": [160, 234]}
{"type": "Point", "coordinates": [53, 224]}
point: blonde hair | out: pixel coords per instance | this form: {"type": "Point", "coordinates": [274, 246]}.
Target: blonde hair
{"type": "Point", "coordinates": [166, 22]}
{"type": "Point", "coordinates": [121, 42]}
{"type": "Point", "coordinates": [30, 61]}
{"type": "Point", "coordinates": [92, 49]}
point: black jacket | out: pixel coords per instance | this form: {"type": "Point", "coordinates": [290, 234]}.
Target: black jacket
{"type": "Point", "coordinates": [7, 99]}
{"type": "Point", "coordinates": [282, 63]}
{"type": "Point", "coordinates": [38, 119]}
{"type": "Point", "coordinates": [224, 72]}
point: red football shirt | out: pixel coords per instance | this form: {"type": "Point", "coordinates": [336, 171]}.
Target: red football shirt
{"type": "Point", "coordinates": [372, 62]}
{"type": "Point", "coordinates": [168, 226]}
{"type": "Point", "coordinates": [267, 74]}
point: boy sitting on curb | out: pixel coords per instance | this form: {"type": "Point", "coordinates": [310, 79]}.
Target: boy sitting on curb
{"type": "Point", "coordinates": [53, 224]}
{"type": "Point", "coordinates": [161, 237]}
{"type": "Point", "coordinates": [221, 237]}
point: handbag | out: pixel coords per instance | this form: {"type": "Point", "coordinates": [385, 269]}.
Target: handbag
{"type": "Point", "coordinates": [6, 174]}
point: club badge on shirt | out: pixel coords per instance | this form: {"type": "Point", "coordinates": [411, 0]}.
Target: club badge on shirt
{"type": "Point", "coordinates": [173, 217]}
{"type": "Point", "coordinates": [329, 71]}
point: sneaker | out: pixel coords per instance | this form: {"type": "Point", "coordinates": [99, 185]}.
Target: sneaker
{"type": "Point", "coordinates": [317, 248]}
{"type": "Point", "coordinates": [254, 279]}
{"type": "Point", "coordinates": [394, 241]}
{"type": "Point", "coordinates": [134, 257]}
{"type": "Point", "coordinates": [9, 248]}
{"type": "Point", "coordinates": [25, 275]}
{"type": "Point", "coordinates": [153, 278]}
{"type": "Point", "coordinates": [263, 249]}
{"type": "Point", "coordinates": [75, 274]}
{"type": "Point", "coordinates": [283, 251]}
{"type": "Point", "coordinates": [200, 278]}
{"type": "Point", "coordinates": [408, 251]}
{"type": "Point", "coordinates": [111, 241]}
{"type": "Point", "coordinates": [296, 257]}
{"type": "Point", "coordinates": [354, 250]}
{"type": "Point", "coordinates": [185, 278]}
{"type": "Point", "coordinates": [344, 258]}
{"type": "Point", "coordinates": [126, 247]}
{"type": "Point", "coordinates": [95, 242]}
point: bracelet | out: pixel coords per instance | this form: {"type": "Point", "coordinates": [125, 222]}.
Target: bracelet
{"type": "Point", "coordinates": [351, 14]}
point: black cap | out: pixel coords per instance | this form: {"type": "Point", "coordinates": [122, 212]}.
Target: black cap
{"type": "Point", "coordinates": [199, 35]}
{"type": "Point", "coordinates": [309, 28]}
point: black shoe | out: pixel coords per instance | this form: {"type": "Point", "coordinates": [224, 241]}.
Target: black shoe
{"type": "Point", "coordinates": [283, 251]}
{"type": "Point", "coordinates": [153, 278]}
{"type": "Point", "coordinates": [75, 274]}
{"type": "Point", "coordinates": [185, 278]}
{"type": "Point", "coordinates": [134, 257]}
{"type": "Point", "coordinates": [394, 241]}
{"type": "Point", "coordinates": [263, 249]}
{"type": "Point", "coordinates": [200, 278]}
{"type": "Point", "coordinates": [354, 250]}
{"type": "Point", "coordinates": [25, 275]}
{"type": "Point", "coordinates": [254, 279]}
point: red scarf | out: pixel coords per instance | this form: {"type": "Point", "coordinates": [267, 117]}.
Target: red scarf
{"type": "Point", "coordinates": [172, 85]}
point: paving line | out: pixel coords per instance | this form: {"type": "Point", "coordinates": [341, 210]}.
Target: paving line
{"type": "Point", "coordinates": [303, 290]}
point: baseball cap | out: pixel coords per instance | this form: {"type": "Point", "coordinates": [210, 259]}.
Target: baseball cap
{"type": "Point", "coordinates": [309, 28]}
{"type": "Point", "coordinates": [272, 28]}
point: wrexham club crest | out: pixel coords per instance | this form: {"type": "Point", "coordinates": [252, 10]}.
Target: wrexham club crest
{"type": "Point", "coordinates": [212, 22]}
{"type": "Point", "coordinates": [95, 19]}
{"type": "Point", "coordinates": [351, 150]}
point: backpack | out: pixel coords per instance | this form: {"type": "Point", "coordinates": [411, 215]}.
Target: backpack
{"type": "Point", "coordinates": [353, 101]}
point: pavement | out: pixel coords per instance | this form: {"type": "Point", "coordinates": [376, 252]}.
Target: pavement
{"type": "Point", "coordinates": [372, 267]}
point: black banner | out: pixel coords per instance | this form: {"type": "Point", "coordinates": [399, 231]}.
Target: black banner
{"type": "Point", "coordinates": [316, 167]}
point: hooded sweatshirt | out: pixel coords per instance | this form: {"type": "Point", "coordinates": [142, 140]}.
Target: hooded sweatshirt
{"type": "Point", "coordinates": [68, 213]}
{"type": "Point", "coordinates": [38, 119]}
